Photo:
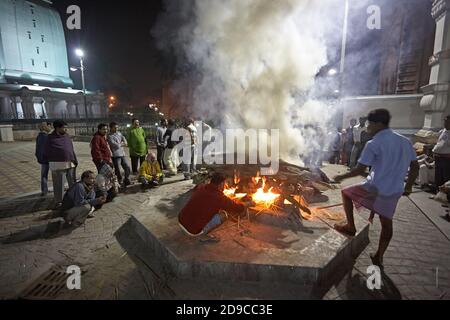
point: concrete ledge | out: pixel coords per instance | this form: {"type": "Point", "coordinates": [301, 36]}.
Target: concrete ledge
{"type": "Point", "coordinates": [6, 133]}
{"type": "Point", "coordinates": [269, 249]}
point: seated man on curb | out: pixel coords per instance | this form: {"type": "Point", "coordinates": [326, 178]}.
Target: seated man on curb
{"type": "Point", "coordinates": [208, 208]}
{"type": "Point", "coordinates": [445, 189]}
{"type": "Point", "coordinates": [79, 201]}
{"type": "Point", "coordinates": [426, 171]}
{"type": "Point", "coordinates": [106, 185]}
{"type": "Point", "coordinates": [150, 173]}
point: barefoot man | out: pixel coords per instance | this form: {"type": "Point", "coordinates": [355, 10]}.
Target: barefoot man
{"type": "Point", "coordinates": [389, 156]}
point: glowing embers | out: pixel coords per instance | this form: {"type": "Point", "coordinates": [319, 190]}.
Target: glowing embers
{"type": "Point", "coordinates": [262, 196]}
{"type": "Point", "coordinates": [265, 198]}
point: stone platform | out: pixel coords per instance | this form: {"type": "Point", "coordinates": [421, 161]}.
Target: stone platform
{"type": "Point", "coordinates": [265, 253]}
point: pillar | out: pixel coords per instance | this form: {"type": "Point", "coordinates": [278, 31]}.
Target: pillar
{"type": "Point", "coordinates": [436, 99]}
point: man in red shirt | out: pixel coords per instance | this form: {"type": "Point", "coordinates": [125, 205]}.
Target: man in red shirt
{"type": "Point", "coordinates": [100, 151]}
{"type": "Point", "coordinates": [207, 208]}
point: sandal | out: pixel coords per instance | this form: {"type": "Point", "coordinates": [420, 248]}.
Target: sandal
{"type": "Point", "coordinates": [206, 238]}
{"type": "Point", "coordinates": [343, 228]}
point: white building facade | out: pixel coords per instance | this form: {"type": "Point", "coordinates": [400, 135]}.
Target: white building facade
{"type": "Point", "coordinates": [34, 70]}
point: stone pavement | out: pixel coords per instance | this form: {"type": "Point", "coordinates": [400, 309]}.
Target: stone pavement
{"type": "Point", "coordinates": [18, 164]}
{"type": "Point", "coordinates": [417, 264]}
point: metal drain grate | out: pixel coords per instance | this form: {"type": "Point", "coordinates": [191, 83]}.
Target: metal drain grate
{"type": "Point", "coordinates": [47, 286]}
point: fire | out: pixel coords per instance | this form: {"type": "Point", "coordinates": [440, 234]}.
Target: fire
{"type": "Point", "coordinates": [229, 192]}
{"type": "Point", "coordinates": [262, 198]}
{"type": "Point", "coordinates": [256, 179]}
{"type": "Point", "coordinates": [237, 178]}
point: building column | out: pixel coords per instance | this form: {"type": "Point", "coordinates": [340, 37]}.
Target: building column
{"type": "Point", "coordinates": [28, 107]}
{"type": "Point", "coordinates": [50, 103]}
{"type": "Point", "coordinates": [72, 112]}
{"type": "Point", "coordinates": [436, 100]}
{"type": "Point", "coordinates": [5, 108]}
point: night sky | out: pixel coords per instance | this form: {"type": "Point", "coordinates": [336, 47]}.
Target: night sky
{"type": "Point", "coordinates": [120, 53]}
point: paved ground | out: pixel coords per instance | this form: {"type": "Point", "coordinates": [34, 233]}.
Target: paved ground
{"type": "Point", "coordinates": [417, 262]}
{"type": "Point", "coordinates": [18, 164]}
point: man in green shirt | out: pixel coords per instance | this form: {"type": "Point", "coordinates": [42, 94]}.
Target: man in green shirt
{"type": "Point", "coordinates": [137, 144]}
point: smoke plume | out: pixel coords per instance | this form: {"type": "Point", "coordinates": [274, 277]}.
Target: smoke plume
{"type": "Point", "coordinates": [252, 64]}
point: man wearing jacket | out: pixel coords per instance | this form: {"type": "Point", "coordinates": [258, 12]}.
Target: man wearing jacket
{"type": "Point", "coordinates": [41, 140]}
{"type": "Point", "coordinates": [59, 154]}
{"type": "Point", "coordinates": [150, 173]}
{"type": "Point", "coordinates": [100, 151]}
{"type": "Point", "coordinates": [137, 143]}
{"type": "Point", "coordinates": [80, 201]}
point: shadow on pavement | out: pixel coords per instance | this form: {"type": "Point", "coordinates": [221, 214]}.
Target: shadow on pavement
{"type": "Point", "coordinates": [354, 286]}
{"type": "Point", "coordinates": [46, 231]}
{"type": "Point", "coordinates": [23, 206]}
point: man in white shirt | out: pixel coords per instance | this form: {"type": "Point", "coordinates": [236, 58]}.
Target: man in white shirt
{"type": "Point", "coordinates": [442, 155]}
{"type": "Point", "coordinates": [117, 142]}
{"type": "Point", "coordinates": [160, 144]}
{"type": "Point", "coordinates": [357, 146]}
{"type": "Point", "coordinates": [389, 155]}
{"type": "Point", "coordinates": [189, 168]}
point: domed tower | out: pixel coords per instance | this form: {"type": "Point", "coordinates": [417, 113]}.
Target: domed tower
{"type": "Point", "coordinates": [34, 71]}
{"type": "Point", "coordinates": [32, 44]}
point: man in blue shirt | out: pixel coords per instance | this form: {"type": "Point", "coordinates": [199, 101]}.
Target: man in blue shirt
{"type": "Point", "coordinates": [389, 155]}
{"type": "Point", "coordinates": [80, 200]}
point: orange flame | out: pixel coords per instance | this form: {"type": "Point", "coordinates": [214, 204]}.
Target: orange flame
{"type": "Point", "coordinates": [256, 179]}
{"type": "Point", "coordinates": [262, 198]}
{"type": "Point", "coordinates": [237, 178]}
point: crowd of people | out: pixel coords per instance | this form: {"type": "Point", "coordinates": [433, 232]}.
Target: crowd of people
{"type": "Point", "coordinates": [394, 167]}
{"type": "Point", "coordinates": [55, 153]}
{"type": "Point", "coordinates": [345, 146]}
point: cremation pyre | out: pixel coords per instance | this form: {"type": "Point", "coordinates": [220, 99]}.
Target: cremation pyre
{"type": "Point", "coordinates": [292, 186]}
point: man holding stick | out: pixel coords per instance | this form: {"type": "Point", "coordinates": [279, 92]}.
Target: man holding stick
{"type": "Point", "coordinates": [389, 155]}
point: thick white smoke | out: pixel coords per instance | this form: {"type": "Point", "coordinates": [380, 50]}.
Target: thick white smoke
{"type": "Point", "coordinates": [256, 61]}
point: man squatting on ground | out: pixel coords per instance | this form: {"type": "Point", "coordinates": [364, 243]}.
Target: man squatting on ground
{"type": "Point", "coordinates": [150, 173]}
{"type": "Point", "coordinates": [208, 208]}
{"type": "Point", "coordinates": [389, 155]}
{"type": "Point", "coordinates": [80, 200]}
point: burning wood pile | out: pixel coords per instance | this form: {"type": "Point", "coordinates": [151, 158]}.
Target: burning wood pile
{"type": "Point", "coordinates": [292, 186]}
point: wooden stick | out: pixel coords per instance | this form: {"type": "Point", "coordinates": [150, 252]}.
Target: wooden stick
{"type": "Point", "coordinates": [330, 206]}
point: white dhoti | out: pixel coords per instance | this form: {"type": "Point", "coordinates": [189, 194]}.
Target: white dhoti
{"type": "Point", "coordinates": [426, 175]}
